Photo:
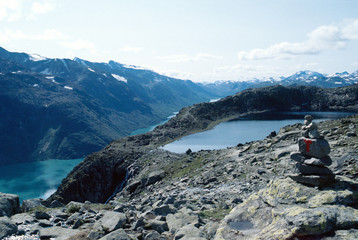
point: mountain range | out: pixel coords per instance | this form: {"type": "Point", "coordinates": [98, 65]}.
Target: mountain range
{"type": "Point", "coordinates": [63, 109]}
{"type": "Point", "coordinates": [302, 78]}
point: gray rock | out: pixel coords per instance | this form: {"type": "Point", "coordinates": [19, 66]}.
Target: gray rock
{"type": "Point", "coordinates": [133, 186]}
{"type": "Point", "coordinates": [119, 234]}
{"type": "Point", "coordinates": [159, 226]}
{"type": "Point", "coordinates": [112, 220]}
{"type": "Point", "coordinates": [77, 224]}
{"type": "Point", "coordinates": [22, 218]}
{"type": "Point", "coordinates": [41, 215]}
{"type": "Point", "coordinates": [314, 180]}
{"type": "Point", "coordinates": [138, 223]}
{"type": "Point", "coordinates": [30, 204]}
{"type": "Point", "coordinates": [179, 220]}
{"type": "Point", "coordinates": [317, 148]}
{"type": "Point", "coordinates": [7, 227]}
{"type": "Point", "coordinates": [313, 170]}
{"type": "Point", "coordinates": [9, 204]}
{"type": "Point", "coordinates": [155, 177]}
{"type": "Point", "coordinates": [188, 232]}
{"type": "Point", "coordinates": [56, 204]}
{"type": "Point", "coordinates": [57, 233]}
{"type": "Point", "coordinates": [351, 134]}
{"type": "Point", "coordinates": [325, 161]}
{"type": "Point", "coordinates": [298, 157]}
{"type": "Point", "coordinates": [153, 235]}
{"type": "Point", "coordinates": [94, 235]}
{"type": "Point", "coordinates": [163, 210]}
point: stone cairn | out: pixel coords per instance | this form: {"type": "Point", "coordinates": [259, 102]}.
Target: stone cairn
{"type": "Point", "coordinates": [312, 158]}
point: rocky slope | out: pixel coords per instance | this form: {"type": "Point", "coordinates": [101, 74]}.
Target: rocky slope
{"type": "Point", "coordinates": [241, 192]}
{"type": "Point", "coordinates": [97, 177]}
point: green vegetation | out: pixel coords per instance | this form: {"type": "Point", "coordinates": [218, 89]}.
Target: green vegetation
{"type": "Point", "coordinates": [216, 214]}
{"type": "Point", "coordinates": [73, 208]}
{"type": "Point", "coordinates": [185, 167]}
{"type": "Point", "coordinates": [39, 209]}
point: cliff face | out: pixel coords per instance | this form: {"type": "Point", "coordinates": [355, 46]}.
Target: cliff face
{"type": "Point", "coordinates": [98, 175]}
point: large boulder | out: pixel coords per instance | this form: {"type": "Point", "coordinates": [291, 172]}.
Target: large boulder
{"type": "Point", "coordinates": [9, 204]}
{"type": "Point", "coordinates": [112, 220]}
{"type": "Point", "coordinates": [119, 234]}
{"type": "Point", "coordinates": [317, 148]}
{"type": "Point", "coordinates": [286, 210]}
{"type": "Point", "coordinates": [57, 233]}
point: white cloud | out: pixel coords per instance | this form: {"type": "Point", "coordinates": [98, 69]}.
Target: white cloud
{"type": "Point", "coordinates": [320, 39]}
{"type": "Point", "coordinates": [350, 31]}
{"type": "Point", "coordinates": [10, 10]}
{"type": "Point", "coordinates": [186, 58]}
{"type": "Point", "coordinates": [42, 7]}
{"type": "Point", "coordinates": [13, 10]}
{"type": "Point", "coordinates": [8, 35]}
{"type": "Point", "coordinates": [131, 49]}
{"type": "Point", "coordinates": [80, 45]}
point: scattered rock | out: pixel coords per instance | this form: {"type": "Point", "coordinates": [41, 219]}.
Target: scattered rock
{"type": "Point", "coordinates": [119, 234]}
{"type": "Point", "coordinates": [7, 227]}
{"type": "Point", "coordinates": [9, 204]}
{"type": "Point", "coordinates": [112, 220]}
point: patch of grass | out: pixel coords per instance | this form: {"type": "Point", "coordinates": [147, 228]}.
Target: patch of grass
{"type": "Point", "coordinates": [39, 209]}
{"type": "Point", "coordinates": [184, 168]}
{"type": "Point", "coordinates": [216, 214]}
{"type": "Point", "coordinates": [73, 208]}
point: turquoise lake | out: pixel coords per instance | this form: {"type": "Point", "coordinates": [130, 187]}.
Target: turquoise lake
{"type": "Point", "coordinates": [35, 179]}
{"type": "Point", "coordinates": [228, 134]}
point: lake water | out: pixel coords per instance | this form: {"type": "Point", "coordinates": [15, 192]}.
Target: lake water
{"type": "Point", "coordinates": [35, 179]}
{"type": "Point", "coordinates": [150, 128]}
{"type": "Point", "coordinates": [257, 127]}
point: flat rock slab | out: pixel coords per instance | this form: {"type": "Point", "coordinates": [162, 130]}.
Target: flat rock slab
{"type": "Point", "coordinates": [286, 210]}
{"type": "Point", "coordinates": [317, 148]}
{"type": "Point", "coordinates": [57, 233]}
{"type": "Point", "coordinates": [325, 161]}
{"type": "Point", "coordinates": [306, 169]}
{"type": "Point", "coordinates": [314, 180]}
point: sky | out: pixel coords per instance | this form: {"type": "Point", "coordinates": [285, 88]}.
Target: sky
{"type": "Point", "coordinates": [200, 40]}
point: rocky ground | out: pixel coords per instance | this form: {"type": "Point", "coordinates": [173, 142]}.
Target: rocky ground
{"type": "Point", "coordinates": [241, 192]}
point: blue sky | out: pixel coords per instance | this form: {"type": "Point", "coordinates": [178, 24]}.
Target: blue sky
{"type": "Point", "coordinates": [201, 40]}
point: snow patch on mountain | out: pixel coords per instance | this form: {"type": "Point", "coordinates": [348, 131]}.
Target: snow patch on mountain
{"type": "Point", "coordinates": [36, 57]}
{"type": "Point", "coordinates": [46, 72]}
{"type": "Point", "coordinates": [119, 78]}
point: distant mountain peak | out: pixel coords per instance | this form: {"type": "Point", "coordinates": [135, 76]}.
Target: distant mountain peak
{"type": "Point", "coordinates": [36, 57]}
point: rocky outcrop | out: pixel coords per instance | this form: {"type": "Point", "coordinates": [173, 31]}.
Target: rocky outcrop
{"type": "Point", "coordinates": [234, 193]}
{"type": "Point", "coordinates": [9, 204]}
{"type": "Point", "coordinates": [287, 210]}
{"type": "Point", "coordinates": [96, 178]}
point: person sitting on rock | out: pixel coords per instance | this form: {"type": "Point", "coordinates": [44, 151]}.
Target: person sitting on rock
{"type": "Point", "coordinates": [310, 129]}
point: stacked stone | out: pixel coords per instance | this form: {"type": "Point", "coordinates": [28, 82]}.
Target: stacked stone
{"type": "Point", "coordinates": [313, 159]}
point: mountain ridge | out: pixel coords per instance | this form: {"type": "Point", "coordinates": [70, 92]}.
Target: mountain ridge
{"type": "Point", "coordinates": [85, 108]}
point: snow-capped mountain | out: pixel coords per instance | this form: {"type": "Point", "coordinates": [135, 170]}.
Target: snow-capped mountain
{"type": "Point", "coordinates": [63, 108]}
{"type": "Point", "coordinates": [306, 78]}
